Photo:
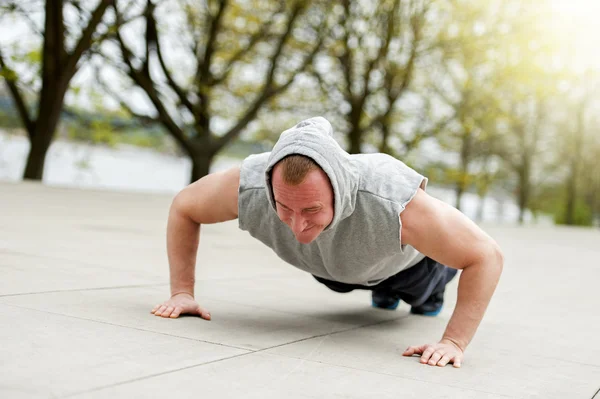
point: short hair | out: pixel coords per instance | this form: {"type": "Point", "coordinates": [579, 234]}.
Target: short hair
{"type": "Point", "coordinates": [295, 167]}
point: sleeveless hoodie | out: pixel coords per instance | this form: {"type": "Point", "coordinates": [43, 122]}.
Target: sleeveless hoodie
{"type": "Point", "coordinates": [362, 245]}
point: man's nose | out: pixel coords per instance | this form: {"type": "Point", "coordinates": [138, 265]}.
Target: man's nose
{"type": "Point", "coordinates": [298, 224]}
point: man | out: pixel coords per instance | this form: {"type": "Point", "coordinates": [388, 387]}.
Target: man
{"type": "Point", "coordinates": [353, 221]}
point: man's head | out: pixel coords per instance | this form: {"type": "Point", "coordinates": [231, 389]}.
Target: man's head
{"type": "Point", "coordinates": [303, 195]}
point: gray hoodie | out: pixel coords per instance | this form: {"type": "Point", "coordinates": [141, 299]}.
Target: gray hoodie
{"type": "Point", "coordinates": [362, 245]}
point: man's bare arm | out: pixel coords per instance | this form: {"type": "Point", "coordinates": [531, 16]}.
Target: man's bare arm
{"type": "Point", "coordinates": [212, 199]}
{"type": "Point", "coordinates": [442, 233]}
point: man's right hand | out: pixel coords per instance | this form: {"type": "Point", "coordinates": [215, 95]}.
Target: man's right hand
{"type": "Point", "coordinates": [182, 303]}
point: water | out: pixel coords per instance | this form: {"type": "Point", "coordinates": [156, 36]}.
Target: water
{"type": "Point", "coordinates": [135, 169]}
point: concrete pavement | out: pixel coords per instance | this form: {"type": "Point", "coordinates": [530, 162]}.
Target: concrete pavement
{"type": "Point", "coordinates": [80, 271]}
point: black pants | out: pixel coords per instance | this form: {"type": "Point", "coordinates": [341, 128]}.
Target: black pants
{"type": "Point", "coordinates": [413, 285]}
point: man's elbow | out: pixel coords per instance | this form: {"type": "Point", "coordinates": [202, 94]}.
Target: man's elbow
{"type": "Point", "coordinates": [496, 258]}
{"type": "Point", "coordinates": [487, 257]}
{"type": "Point", "coordinates": [181, 204]}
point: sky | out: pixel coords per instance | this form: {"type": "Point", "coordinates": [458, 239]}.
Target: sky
{"type": "Point", "coordinates": [572, 25]}
{"type": "Point", "coordinates": [577, 29]}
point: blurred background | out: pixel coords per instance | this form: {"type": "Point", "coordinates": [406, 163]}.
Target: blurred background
{"type": "Point", "coordinates": [497, 102]}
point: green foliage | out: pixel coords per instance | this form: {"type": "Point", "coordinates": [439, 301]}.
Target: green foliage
{"type": "Point", "coordinates": [8, 74]}
{"type": "Point", "coordinates": [551, 199]}
{"type": "Point", "coordinates": [10, 120]}
{"type": "Point", "coordinates": [488, 80]}
{"type": "Point", "coordinates": [103, 132]}
{"type": "Point", "coordinates": [97, 133]}
{"type": "Point", "coordinates": [582, 215]}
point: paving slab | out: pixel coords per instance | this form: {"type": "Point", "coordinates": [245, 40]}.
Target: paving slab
{"type": "Point", "coordinates": [263, 376]}
{"type": "Point", "coordinates": [24, 273]}
{"type": "Point", "coordinates": [516, 371]}
{"type": "Point", "coordinates": [81, 270]}
{"type": "Point", "coordinates": [239, 325]}
{"type": "Point", "coordinates": [46, 355]}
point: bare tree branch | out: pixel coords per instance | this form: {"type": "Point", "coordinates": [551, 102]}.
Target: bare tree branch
{"type": "Point", "coordinates": [268, 90]}
{"type": "Point", "coordinates": [14, 6]}
{"type": "Point", "coordinates": [256, 38]}
{"type": "Point", "coordinates": [203, 72]}
{"type": "Point", "coordinates": [275, 59]}
{"type": "Point", "coordinates": [142, 78]}
{"type": "Point", "coordinates": [11, 80]}
{"type": "Point", "coordinates": [153, 39]}
{"type": "Point", "coordinates": [144, 119]}
{"type": "Point", "coordinates": [85, 41]}
{"type": "Point", "coordinates": [329, 87]}
{"type": "Point", "coordinates": [345, 58]}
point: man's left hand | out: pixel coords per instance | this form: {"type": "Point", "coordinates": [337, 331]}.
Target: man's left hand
{"type": "Point", "coordinates": [438, 354]}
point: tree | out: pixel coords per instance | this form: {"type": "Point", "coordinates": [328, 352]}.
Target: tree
{"type": "Point", "coordinates": [243, 54]}
{"type": "Point", "coordinates": [579, 151]}
{"type": "Point", "coordinates": [61, 57]}
{"type": "Point", "coordinates": [368, 63]}
{"type": "Point", "coordinates": [466, 81]}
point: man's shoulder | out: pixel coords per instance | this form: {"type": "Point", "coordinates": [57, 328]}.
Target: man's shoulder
{"type": "Point", "coordinates": [252, 171]}
{"type": "Point", "coordinates": [387, 177]}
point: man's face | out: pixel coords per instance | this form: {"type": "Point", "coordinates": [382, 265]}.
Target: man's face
{"type": "Point", "coordinates": [306, 208]}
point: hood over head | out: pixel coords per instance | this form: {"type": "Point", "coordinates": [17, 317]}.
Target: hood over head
{"type": "Point", "coordinates": [313, 138]}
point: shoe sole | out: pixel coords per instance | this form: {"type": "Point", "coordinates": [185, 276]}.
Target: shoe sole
{"type": "Point", "coordinates": [390, 307]}
{"type": "Point", "coordinates": [430, 314]}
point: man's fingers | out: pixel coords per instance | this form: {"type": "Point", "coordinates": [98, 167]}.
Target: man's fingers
{"type": "Point", "coordinates": [444, 360]}
{"type": "Point", "coordinates": [427, 354]}
{"type": "Point", "coordinates": [167, 312]}
{"type": "Point", "coordinates": [409, 351]}
{"type": "Point", "coordinates": [204, 314]}
{"type": "Point", "coordinates": [176, 312]}
{"type": "Point", "coordinates": [457, 362]}
{"type": "Point", "coordinates": [435, 358]}
{"type": "Point", "coordinates": [413, 350]}
{"type": "Point", "coordinates": [161, 309]}
{"type": "Point", "coordinates": [437, 354]}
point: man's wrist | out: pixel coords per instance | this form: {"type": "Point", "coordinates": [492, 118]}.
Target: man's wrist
{"type": "Point", "coordinates": [182, 292]}
{"type": "Point", "coordinates": [454, 342]}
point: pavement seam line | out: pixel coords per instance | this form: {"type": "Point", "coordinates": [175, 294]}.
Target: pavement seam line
{"type": "Point", "coordinates": [400, 318]}
{"type": "Point", "coordinates": [153, 375]}
{"type": "Point", "coordinates": [84, 289]}
{"type": "Point", "coordinates": [84, 263]}
{"type": "Point", "coordinates": [127, 327]}
{"type": "Point", "coordinates": [390, 375]}
{"type": "Point", "coordinates": [334, 333]}
{"type": "Point", "coordinates": [248, 352]}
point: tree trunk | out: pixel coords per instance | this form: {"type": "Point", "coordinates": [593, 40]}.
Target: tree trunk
{"type": "Point", "coordinates": [521, 212]}
{"type": "Point", "coordinates": [479, 216]}
{"type": "Point", "coordinates": [571, 195]}
{"type": "Point", "coordinates": [524, 187]}
{"type": "Point", "coordinates": [200, 166]}
{"type": "Point", "coordinates": [523, 198]}
{"type": "Point", "coordinates": [355, 133]}
{"type": "Point", "coordinates": [459, 193]}
{"type": "Point", "coordinates": [385, 134]}
{"type": "Point", "coordinates": [465, 158]}
{"type": "Point", "coordinates": [355, 140]}
{"type": "Point", "coordinates": [573, 183]}
{"type": "Point", "coordinates": [51, 102]}
{"type": "Point", "coordinates": [34, 168]}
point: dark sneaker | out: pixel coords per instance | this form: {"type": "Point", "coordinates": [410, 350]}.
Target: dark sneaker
{"type": "Point", "coordinates": [384, 300]}
{"type": "Point", "coordinates": [432, 306]}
